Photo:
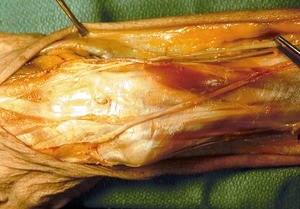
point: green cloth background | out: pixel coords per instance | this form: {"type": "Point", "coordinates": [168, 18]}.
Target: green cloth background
{"type": "Point", "coordinates": [243, 188]}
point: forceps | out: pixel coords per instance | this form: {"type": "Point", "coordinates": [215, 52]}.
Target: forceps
{"type": "Point", "coordinates": [288, 49]}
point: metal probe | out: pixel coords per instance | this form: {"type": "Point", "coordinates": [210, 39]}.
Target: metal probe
{"type": "Point", "coordinates": [80, 27]}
